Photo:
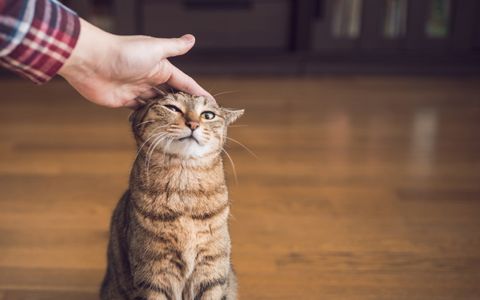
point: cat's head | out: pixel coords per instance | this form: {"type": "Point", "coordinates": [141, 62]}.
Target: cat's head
{"type": "Point", "coordinates": [181, 124]}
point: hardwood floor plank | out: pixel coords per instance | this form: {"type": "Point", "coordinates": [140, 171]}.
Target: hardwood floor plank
{"type": "Point", "coordinates": [48, 295]}
{"type": "Point", "coordinates": [55, 279]}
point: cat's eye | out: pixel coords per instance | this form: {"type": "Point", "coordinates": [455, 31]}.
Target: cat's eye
{"type": "Point", "coordinates": [208, 115]}
{"type": "Point", "coordinates": [173, 108]}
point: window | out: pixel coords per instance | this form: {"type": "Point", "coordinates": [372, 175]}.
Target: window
{"type": "Point", "coordinates": [346, 20]}
{"type": "Point", "coordinates": [395, 25]}
{"type": "Point", "coordinates": [438, 19]}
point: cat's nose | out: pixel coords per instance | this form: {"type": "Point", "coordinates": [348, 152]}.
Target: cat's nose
{"type": "Point", "coordinates": [192, 124]}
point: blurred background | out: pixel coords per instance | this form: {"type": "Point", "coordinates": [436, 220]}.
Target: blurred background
{"type": "Point", "coordinates": [307, 36]}
{"type": "Point", "coordinates": [364, 116]}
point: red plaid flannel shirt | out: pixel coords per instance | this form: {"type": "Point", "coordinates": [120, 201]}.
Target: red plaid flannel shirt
{"type": "Point", "coordinates": [36, 37]}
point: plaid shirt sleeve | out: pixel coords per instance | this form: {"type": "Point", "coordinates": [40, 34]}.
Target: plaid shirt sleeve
{"type": "Point", "coordinates": [36, 37]}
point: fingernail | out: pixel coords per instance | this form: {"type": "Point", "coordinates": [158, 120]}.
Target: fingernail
{"type": "Point", "coordinates": [189, 38]}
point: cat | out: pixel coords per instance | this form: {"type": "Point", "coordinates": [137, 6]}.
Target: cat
{"type": "Point", "coordinates": [169, 235]}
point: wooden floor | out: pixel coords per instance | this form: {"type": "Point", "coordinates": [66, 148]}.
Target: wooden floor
{"type": "Point", "coordinates": [365, 188]}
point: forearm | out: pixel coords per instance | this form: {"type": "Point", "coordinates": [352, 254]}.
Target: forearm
{"type": "Point", "coordinates": [27, 45]}
{"type": "Point", "coordinates": [93, 47]}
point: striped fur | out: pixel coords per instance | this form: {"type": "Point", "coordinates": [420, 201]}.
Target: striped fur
{"type": "Point", "coordinates": [169, 234]}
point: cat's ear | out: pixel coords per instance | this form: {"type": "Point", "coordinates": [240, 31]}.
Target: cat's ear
{"type": "Point", "coordinates": [160, 90]}
{"type": "Point", "coordinates": [141, 111]}
{"type": "Point", "coordinates": [145, 103]}
{"type": "Point", "coordinates": [231, 115]}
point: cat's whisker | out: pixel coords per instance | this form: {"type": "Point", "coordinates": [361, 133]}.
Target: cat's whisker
{"type": "Point", "coordinates": [150, 153]}
{"type": "Point", "coordinates": [238, 125]}
{"type": "Point", "coordinates": [153, 145]}
{"type": "Point", "coordinates": [159, 91]}
{"type": "Point", "coordinates": [224, 93]}
{"type": "Point", "coordinates": [169, 143]}
{"type": "Point", "coordinates": [211, 90]}
{"type": "Point", "coordinates": [232, 164]}
{"type": "Point", "coordinates": [151, 121]}
{"type": "Point", "coordinates": [146, 122]}
{"type": "Point", "coordinates": [153, 135]}
{"type": "Point", "coordinates": [165, 150]}
{"type": "Point", "coordinates": [130, 115]}
{"type": "Point", "coordinates": [243, 146]}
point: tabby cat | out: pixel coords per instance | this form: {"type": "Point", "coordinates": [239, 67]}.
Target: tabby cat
{"type": "Point", "coordinates": [169, 235]}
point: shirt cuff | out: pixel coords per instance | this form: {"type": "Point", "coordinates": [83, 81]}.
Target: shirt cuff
{"type": "Point", "coordinates": [48, 42]}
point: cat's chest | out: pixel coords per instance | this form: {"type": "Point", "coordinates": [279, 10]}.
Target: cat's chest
{"type": "Point", "coordinates": [166, 222]}
{"type": "Point", "coordinates": [194, 235]}
{"type": "Point", "coordinates": [187, 179]}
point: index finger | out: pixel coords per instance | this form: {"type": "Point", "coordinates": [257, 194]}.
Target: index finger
{"type": "Point", "coordinates": [185, 83]}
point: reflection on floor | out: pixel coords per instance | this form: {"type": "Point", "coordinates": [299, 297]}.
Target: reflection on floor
{"type": "Point", "coordinates": [365, 188]}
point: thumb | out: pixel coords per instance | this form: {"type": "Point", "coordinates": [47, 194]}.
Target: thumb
{"type": "Point", "coordinates": [175, 46]}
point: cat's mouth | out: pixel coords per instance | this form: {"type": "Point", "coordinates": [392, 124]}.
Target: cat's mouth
{"type": "Point", "coordinates": [189, 137]}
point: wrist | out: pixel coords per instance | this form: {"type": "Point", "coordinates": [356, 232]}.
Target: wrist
{"type": "Point", "coordinates": [93, 46]}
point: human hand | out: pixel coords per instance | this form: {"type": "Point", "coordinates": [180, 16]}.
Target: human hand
{"type": "Point", "coordinates": [114, 71]}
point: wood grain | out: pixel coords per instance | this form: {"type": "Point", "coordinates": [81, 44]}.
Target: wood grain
{"type": "Point", "coordinates": [364, 188]}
